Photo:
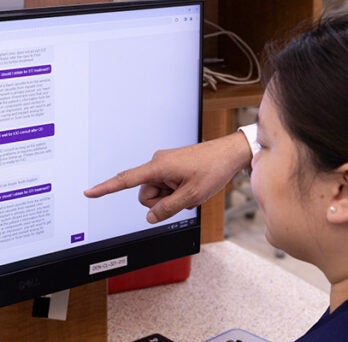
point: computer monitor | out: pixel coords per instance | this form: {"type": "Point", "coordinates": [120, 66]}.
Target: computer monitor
{"type": "Point", "coordinates": [85, 92]}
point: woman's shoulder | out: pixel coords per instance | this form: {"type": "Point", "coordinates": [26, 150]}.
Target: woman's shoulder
{"type": "Point", "coordinates": [330, 327]}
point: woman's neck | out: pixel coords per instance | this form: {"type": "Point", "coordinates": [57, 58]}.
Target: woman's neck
{"type": "Point", "coordinates": [338, 294]}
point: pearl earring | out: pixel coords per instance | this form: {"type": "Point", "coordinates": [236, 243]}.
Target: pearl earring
{"type": "Point", "coordinates": [333, 209]}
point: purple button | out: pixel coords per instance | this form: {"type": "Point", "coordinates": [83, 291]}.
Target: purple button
{"type": "Point", "coordinates": [77, 237]}
{"type": "Point", "coordinates": [26, 133]}
{"type": "Point", "coordinates": [28, 71]}
{"type": "Point", "coordinates": [25, 192]}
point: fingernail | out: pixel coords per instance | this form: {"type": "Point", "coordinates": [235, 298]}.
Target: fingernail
{"type": "Point", "coordinates": [151, 218]}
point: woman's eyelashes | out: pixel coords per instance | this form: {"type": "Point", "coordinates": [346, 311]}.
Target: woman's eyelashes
{"type": "Point", "coordinates": [262, 143]}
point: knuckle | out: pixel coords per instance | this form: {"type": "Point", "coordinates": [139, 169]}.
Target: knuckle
{"type": "Point", "coordinates": [165, 210]}
{"type": "Point", "coordinates": [122, 178]}
{"type": "Point", "coordinates": [192, 196]}
{"type": "Point", "coordinates": [142, 198]}
{"type": "Point", "coordinates": [157, 156]}
{"type": "Point", "coordinates": [143, 201]}
{"type": "Point", "coordinates": [160, 154]}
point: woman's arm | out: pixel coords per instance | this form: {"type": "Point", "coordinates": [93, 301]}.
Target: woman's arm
{"type": "Point", "coordinates": [182, 178]}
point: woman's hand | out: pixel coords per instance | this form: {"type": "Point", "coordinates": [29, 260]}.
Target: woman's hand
{"type": "Point", "coordinates": [181, 178]}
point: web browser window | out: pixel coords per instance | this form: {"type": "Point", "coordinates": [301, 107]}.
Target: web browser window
{"type": "Point", "coordinates": [83, 97]}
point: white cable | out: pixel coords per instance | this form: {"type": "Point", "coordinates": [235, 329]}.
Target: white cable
{"type": "Point", "coordinates": [211, 77]}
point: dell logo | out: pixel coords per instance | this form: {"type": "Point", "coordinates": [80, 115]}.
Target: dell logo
{"type": "Point", "coordinates": [28, 283]}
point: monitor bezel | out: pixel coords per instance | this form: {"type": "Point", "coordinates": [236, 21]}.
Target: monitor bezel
{"type": "Point", "coordinates": [57, 271]}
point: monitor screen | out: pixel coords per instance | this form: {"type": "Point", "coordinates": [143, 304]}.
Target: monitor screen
{"type": "Point", "coordinates": [85, 92]}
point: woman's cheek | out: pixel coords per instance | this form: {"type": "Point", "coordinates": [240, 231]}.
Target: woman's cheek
{"type": "Point", "coordinates": [254, 160]}
{"type": "Point", "coordinates": [254, 188]}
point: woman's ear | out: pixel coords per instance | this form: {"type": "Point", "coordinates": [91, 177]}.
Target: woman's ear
{"type": "Point", "coordinates": [337, 213]}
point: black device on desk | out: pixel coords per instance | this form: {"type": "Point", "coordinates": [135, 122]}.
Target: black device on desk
{"type": "Point", "coordinates": [237, 335]}
{"type": "Point", "coordinates": [233, 335]}
{"type": "Point", "coordinates": [154, 338]}
{"type": "Point", "coordinates": [87, 91]}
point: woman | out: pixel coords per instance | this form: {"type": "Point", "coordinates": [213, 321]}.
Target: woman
{"type": "Point", "coordinates": [300, 174]}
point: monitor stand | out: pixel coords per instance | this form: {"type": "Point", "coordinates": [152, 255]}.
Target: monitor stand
{"type": "Point", "coordinates": [53, 306]}
{"type": "Point", "coordinates": [86, 318]}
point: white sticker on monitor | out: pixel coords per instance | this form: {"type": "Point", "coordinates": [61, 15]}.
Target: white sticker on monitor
{"type": "Point", "coordinates": [108, 265]}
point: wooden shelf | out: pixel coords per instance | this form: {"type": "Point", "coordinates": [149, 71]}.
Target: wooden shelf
{"type": "Point", "coordinates": [256, 22]}
{"type": "Point", "coordinates": [219, 108]}
{"type": "Point", "coordinates": [232, 96]}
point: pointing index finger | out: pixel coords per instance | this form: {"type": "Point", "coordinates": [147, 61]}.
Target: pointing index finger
{"type": "Point", "coordinates": [124, 180]}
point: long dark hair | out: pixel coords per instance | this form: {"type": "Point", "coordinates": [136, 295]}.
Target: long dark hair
{"type": "Point", "coordinates": [308, 81]}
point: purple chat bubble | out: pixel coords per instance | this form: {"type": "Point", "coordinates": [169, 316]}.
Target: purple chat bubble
{"type": "Point", "coordinates": [28, 71]}
{"type": "Point", "coordinates": [25, 192]}
{"type": "Point", "coordinates": [26, 133]}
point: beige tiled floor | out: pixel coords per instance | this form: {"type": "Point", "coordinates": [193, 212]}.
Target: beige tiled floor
{"type": "Point", "coordinates": [249, 233]}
